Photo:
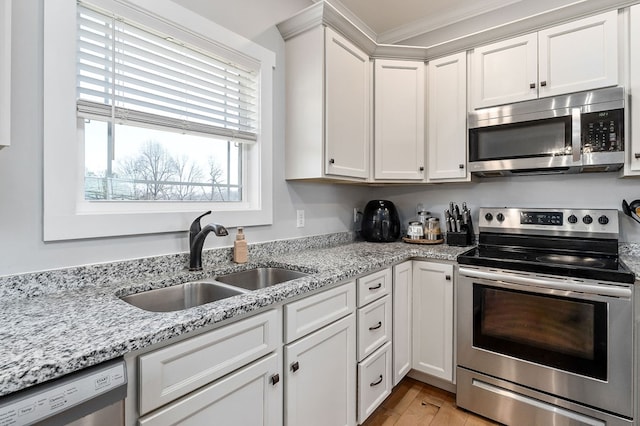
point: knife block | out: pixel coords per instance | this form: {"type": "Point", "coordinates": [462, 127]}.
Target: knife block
{"type": "Point", "coordinates": [463, 238]}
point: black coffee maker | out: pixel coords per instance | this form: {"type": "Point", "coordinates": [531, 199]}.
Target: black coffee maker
{"type": "Point", "coordinates": [380, 222]}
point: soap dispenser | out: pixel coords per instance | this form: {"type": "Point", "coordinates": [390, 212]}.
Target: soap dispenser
{"type": "Point", "coordinates": [240, 252]}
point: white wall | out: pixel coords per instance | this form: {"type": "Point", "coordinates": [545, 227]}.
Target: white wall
{"type": "Point", "coordinates": [328, 208]}
{"type": "Point", "coordinates": [601, 190]}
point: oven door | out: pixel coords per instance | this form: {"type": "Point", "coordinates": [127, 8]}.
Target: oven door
{"type": "Point", "coordinates": [569, 338]}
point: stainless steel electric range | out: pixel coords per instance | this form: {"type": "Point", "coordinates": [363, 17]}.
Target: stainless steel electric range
{"type": "Point", "coordinates": [545, 314]}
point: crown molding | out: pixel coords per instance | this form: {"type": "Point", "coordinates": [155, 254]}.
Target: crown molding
{"type": "Point", "coordinates": [457, 38]}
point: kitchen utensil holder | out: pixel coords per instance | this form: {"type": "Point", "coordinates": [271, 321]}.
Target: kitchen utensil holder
{"type": "Point", "coordinates": [462, 238]}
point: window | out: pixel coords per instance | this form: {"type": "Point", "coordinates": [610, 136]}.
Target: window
{"type": "Point", "coordinates": [170, 115]}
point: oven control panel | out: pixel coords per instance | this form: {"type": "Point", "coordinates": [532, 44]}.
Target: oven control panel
{"type": "Point", "coordinates": [544, 220]}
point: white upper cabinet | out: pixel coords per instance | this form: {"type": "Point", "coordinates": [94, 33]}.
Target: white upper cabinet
{"type": "Point", "coordinates": [632, 165]}
{"type": "Point", "coordinates": [347, 107]}
{"type": "Point", "coordinates": [447, 119]}
{"type": "Point", "coordinates": [579, 55]}
{"type": "Point", "coordinates": [399, 99]}
{"type": "Point", "coordinates": [505, 72]}
{"type": "Point", "coordinates": [328, 107]}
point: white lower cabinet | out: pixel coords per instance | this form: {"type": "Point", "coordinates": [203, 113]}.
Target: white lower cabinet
{"type": "Point", "coordinates": [375, 381]}
{"type": "Point", "coordinates": [320, 377]}
{"type": "Point", "coordinates": [433, 319]}
{"type": "Point", "coordinates": [249, 396]}
{"type": "Point", "coordinates": [375, 328]}
{"type": "Point", "coordinates": [402, 319]}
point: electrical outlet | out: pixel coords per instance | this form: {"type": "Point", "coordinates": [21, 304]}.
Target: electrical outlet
{"type": "Point", "coordinates": [300, 218]}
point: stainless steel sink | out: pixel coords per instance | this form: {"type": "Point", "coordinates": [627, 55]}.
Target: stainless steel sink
{"type": "Point", "coordinates": [182, 296]}
{"type": "Point", "coordinates": [253, 279]}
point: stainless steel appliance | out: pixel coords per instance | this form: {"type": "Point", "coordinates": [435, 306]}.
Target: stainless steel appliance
{"type": "Point", "coordinates": [545, 315]}
{"type": "Point", "coordinates": [94, 396]}
{"type": "Point", "coordinates": [579, 132]}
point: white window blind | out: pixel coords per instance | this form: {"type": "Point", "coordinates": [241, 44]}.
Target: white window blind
{"type": "Point", "coordinates": [131, 75]}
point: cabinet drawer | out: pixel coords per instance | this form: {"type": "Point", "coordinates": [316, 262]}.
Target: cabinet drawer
{"type": "Point", "coordinates": [174, 371]}
{"type": "Point", "coordinates": [374, 381]}
{"type": "Point", "coordinates": [310, 314]}
{"type": "Point", "coordinates": [374, 326]}
{"type": "Point", "coordinates": [249, 396]}
{"type": "Point", "coordinates": [374, 286]}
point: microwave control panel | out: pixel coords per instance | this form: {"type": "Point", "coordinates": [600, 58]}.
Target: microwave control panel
{"type": "Point", "coordinates": [602, 131]}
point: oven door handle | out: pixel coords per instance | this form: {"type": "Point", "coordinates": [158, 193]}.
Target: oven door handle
{"type": "Point", "coordinates": [601, 289]}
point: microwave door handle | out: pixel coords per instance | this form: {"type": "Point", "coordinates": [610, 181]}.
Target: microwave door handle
{"type": "Point", "coordinates": [575, 133]}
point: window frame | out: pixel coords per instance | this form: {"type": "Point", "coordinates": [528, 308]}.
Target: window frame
{"type": "Point", "coordinates": [66, 214]}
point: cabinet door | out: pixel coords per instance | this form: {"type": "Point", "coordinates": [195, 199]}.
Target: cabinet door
{"type": "Point", "coordinates": [402, 319]}
{"type": "Point", "coordinates": [579, 55]}
{"type": "Point", "coordinates": [347, 107]}
{"type": "Point", "coordinates": [399, 120]}
{"type": "Point", "coordinates": [634, 88]}
{"type": "Point", "coordinates": [447, 118]}
{"type": "Point", "coordinates": [320, 377]}
{"type": "Point", "coordinates": [249, 396]}
{"type": "Point", "coordinates": [433, 319]}
{"type": "Point", "coordinates": [505, 72]}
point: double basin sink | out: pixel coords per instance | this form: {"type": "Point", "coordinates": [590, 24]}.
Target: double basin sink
{"type": "Point", "coordinates": [195, 293]}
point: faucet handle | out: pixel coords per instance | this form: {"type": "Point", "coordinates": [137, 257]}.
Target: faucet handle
{"type": "Point", "coordinates": [195, 227]}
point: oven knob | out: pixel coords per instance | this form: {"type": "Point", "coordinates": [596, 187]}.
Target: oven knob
{"type": "Point", "coordinates": [587, 220]}
{"type": "Point", "coordinates": [572, 219]}
{"type": "Point", "coordinates": [603, 220]}
{"type": "Point", "coordinates": [500, 217]}
{"type": "Point", "coordinates": [488, 217]}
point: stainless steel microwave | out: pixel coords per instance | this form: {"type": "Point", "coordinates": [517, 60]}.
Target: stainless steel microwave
{"type": "Point", "coordinates": [579, 132]}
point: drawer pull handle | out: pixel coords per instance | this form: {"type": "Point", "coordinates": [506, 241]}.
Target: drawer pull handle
{"type": "Point", "coordinates": [375, 327]}
{"type": "Point", "coordinates": [375, 287]}
{"type": "Point", "coordinates": [295, 366]}
{"type": "Point", "coordinates": [637, 155]}
{"type": "Point", "coordinates": [275, 379]}
{"type": "Point", "coordinates": [543, 83]}
{"type": "Point", "coordinates": [532, 85]}
{"type": "Point", "coordinates": [377, 382]}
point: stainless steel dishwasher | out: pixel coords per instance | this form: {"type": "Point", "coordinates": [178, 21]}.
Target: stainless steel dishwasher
{"type": "Point", "coordinates": [93, 396]}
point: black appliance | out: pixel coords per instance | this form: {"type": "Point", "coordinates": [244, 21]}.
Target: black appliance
{"type": "Point", "coordinates": [380, 222]}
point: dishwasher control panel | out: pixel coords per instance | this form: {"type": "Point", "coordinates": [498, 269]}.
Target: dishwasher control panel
{"type": "Point", "coordinates": [66, 394]}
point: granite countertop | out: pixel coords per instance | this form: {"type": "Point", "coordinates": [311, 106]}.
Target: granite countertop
{"type": "Point", "coordinates": [49, 333]}
{"type": "Point", "coordinates": [58, 322]}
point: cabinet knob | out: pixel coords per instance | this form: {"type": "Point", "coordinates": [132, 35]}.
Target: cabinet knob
{"type": "Point", "coordinates": [331, 161]}
{"type": "Point", "coordinates": [275, 379]}
{"type": "Point", "coordinates": [447, 277]}
{"type": "Point", "coordinates": [295, 366]}
{"type": "Point", "coordinates": [461, 166]}
{"type": "Point", "coordinates": [532, 85]}
{"type": "Point", "coordinates": [543, 83]}
{"type": "Point", "coordinates": [421, 168]}
{"type": "Point", "coordinates": [375, 327]}
{"type": "Point", "coordinates": [637, 155]}
{"type": "Point", "coordinates": [377, 382]}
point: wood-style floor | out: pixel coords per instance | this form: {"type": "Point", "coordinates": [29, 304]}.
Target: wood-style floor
{"type": "Point", "coordinates": [414, 403]}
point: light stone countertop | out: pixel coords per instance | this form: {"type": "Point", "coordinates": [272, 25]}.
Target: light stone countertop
{"type": "Point", "coordinates": [58, 322]}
